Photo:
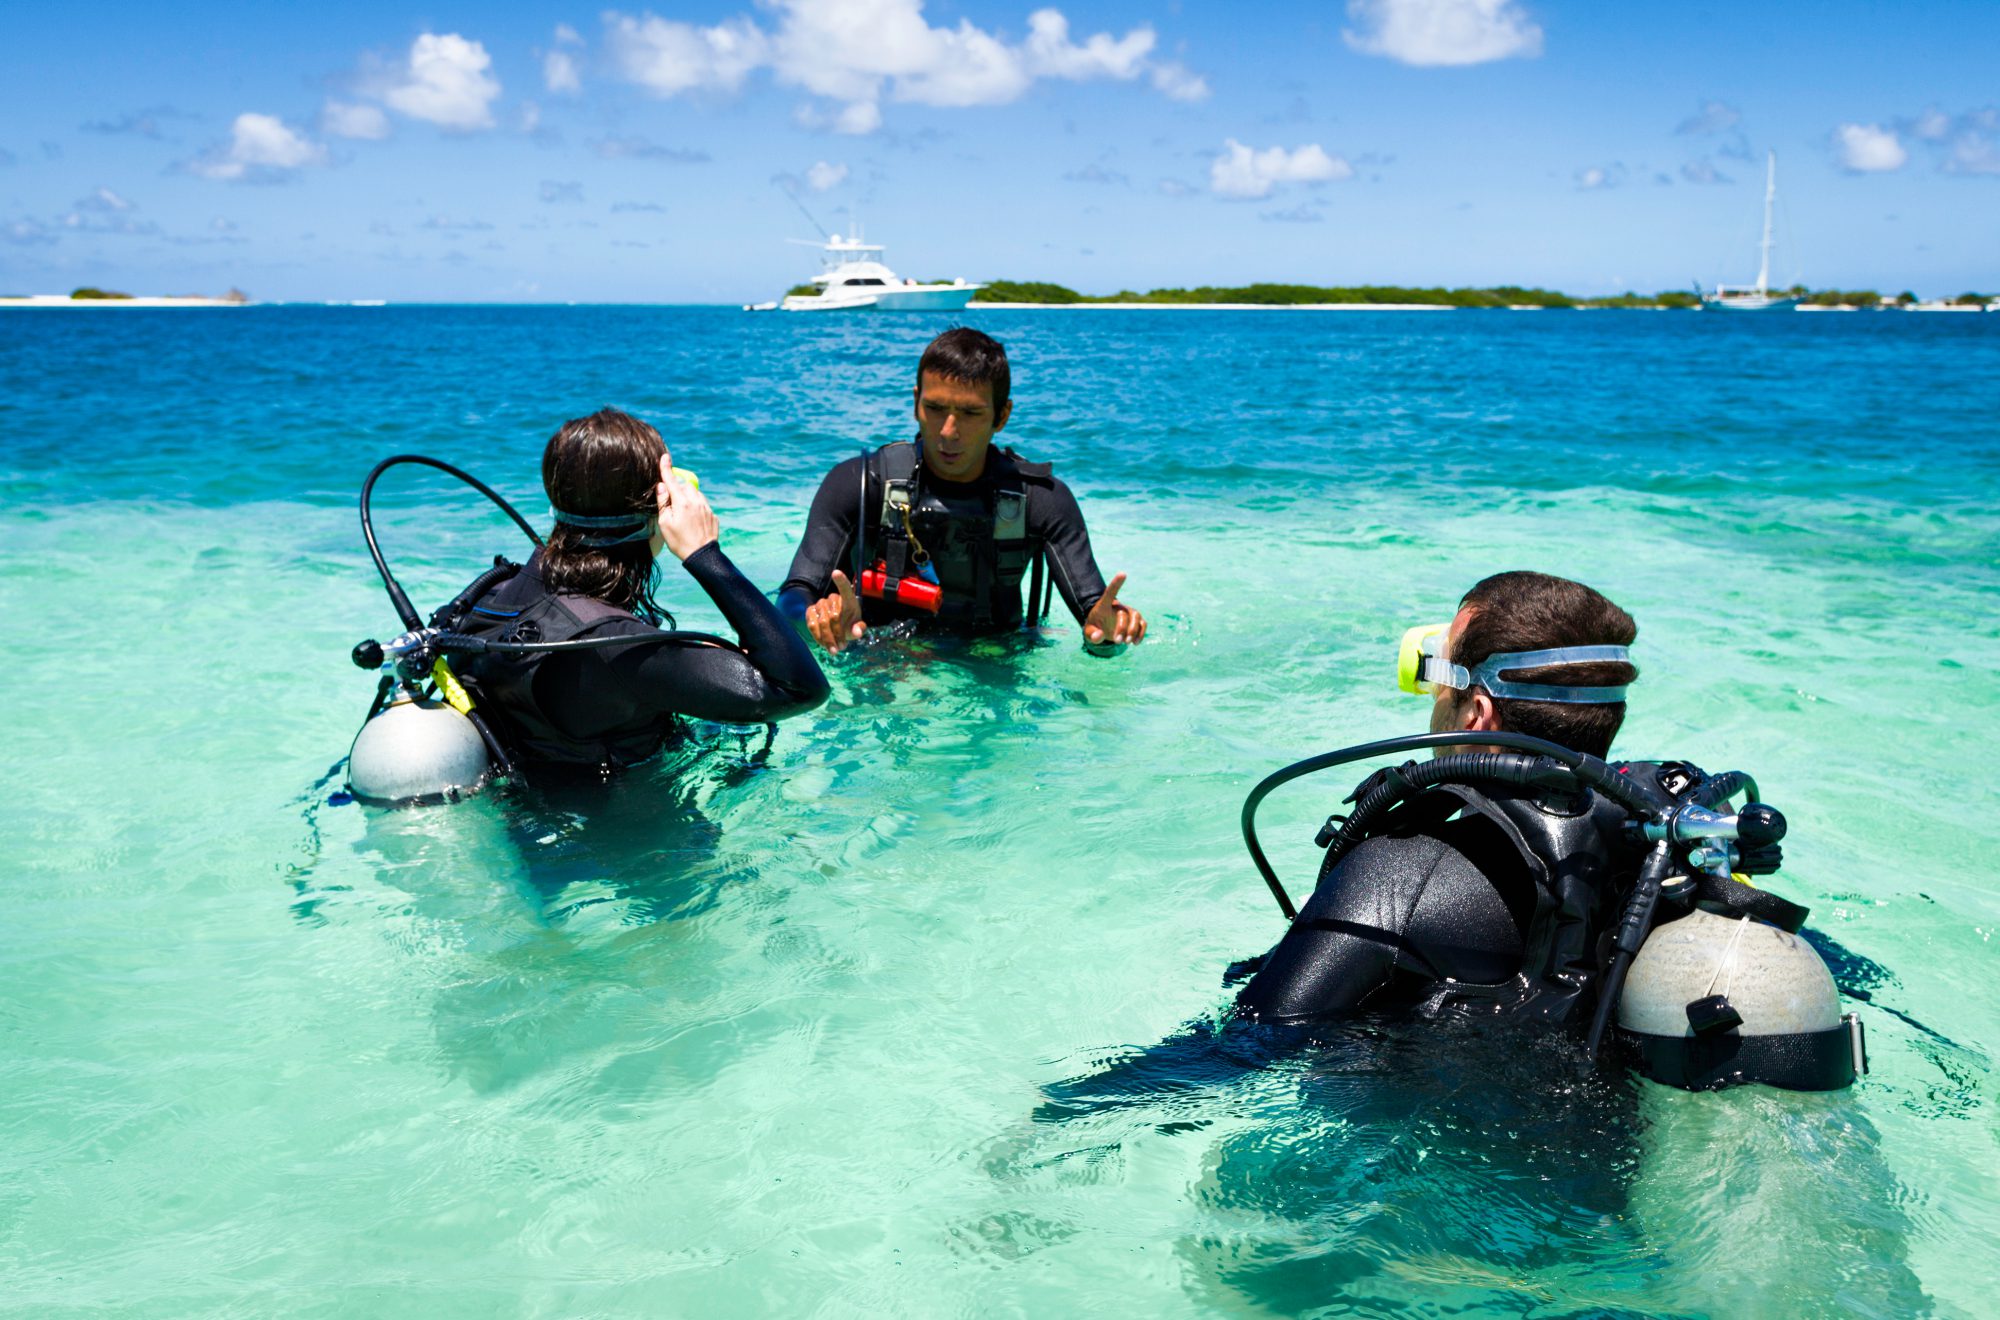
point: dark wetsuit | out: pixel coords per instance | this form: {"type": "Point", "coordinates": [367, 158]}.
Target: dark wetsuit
{"type": "Point", "coordinates": [1054, 525]}
{"type": "Point", "coordinates": [619, 704]}
{"type": "Point", "coordinates": [1397, 916]}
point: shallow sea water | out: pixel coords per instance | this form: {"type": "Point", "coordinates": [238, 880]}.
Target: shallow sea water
{"type": "Point", "coordinates": [914, 1013]}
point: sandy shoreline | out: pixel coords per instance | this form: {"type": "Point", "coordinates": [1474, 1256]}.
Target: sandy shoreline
{"type": "Point", "coordinates": [63, 300]}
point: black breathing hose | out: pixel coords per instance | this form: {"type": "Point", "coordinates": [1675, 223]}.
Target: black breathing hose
{"type": "Point", "coordinates": [397, 596]}
{"type": "Point", "coordinates": [1589, 771]}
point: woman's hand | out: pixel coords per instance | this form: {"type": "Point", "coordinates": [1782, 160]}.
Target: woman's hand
{"type": "Point", "coordinates": [686, 522]}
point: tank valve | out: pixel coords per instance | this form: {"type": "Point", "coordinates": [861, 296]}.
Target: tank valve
{"type": "Point", "coordinates": [367, 655]}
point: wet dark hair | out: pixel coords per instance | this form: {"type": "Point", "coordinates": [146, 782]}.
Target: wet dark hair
{"type": "Point", "coordinates": [602, 465]}
{"type": "Point", "coordinates": [1523, 611]}
{"type": "Point", "coordinates": [962, 353]}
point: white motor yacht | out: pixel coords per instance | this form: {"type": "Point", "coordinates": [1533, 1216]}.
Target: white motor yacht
{"type": "Point", "coordinates": [854, 279]}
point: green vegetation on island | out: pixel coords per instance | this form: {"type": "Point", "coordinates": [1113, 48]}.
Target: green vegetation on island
{"type": "Point", "coordinates": [89, 293]}
{"type": "Point", "coordinates": [1504, 295]}
{"type": "Point", "coordinates": [803, 291]}
{"type": "Point", "coordinates": [1280, 295]}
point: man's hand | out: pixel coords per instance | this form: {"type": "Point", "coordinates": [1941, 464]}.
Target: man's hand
{"type": "Point", "coordinates": [835, 620]}
{"type": "Point", "coordinates": [1109, 621]}
{"type": "Point", "coordinates": [686, 522]}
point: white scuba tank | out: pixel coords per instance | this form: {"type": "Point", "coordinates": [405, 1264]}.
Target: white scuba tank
{"type": "Point", "coordinates": [1714, 1001]}
{"type": "Point", "coordinates": [416, 752]}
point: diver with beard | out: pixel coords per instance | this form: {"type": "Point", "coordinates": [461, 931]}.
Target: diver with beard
{"type": "Point", "coordinates": [944, 528]}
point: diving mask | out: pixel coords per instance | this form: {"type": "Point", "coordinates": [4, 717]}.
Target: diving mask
{"type": "Point", "coordinates": [604, 528]}
{"type": "Point", "coordinates": [1421, 667]}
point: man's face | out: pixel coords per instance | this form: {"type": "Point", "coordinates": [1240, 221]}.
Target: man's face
{"type": "Point", "coordinates": [1448, 704]}
{"type": "Point", "coordinates": [957, 422]}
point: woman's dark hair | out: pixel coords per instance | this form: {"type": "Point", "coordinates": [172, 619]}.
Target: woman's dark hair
{"type": "Point", "coordinates": [602, 465]}
{"type": "Point", "coordinates": [1524, 611]}
{"type": "Point", "coordinates": [962, 353]}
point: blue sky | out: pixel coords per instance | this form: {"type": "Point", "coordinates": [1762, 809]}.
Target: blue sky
{"type": "Point", "coordinates": [557, 152]}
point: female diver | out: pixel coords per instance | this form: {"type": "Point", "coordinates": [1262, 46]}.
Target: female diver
{"type": "Point", "coordinates": [618, 502]}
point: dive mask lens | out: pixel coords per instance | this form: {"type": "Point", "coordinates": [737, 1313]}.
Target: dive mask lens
{"type": "Point", "coordinates": [1420, 643]}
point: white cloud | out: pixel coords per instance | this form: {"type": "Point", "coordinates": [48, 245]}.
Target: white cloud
{"type": "Point", "coordinates": [823, 176]}
{"type": "Point", "coordinates": [1051, 54]}
{"type": "Point", "coordinates": [261, 147]}
{"type": "Point", "coordinates": [668, 58]}
{"type": "Point", "coordinates": [857, 53]}
{"type": "Point", "coordinates": [103, 199]}
{"type": "Point", "coordinates": [1442, 32]}
{"type": "Point", "coordinates": [1600, 176]}
{"type": "Point", "coordinates": [1241, 171]}
{"type": "Point", "coordinates": [1178, 82]}
{"type": "Point", "coordinates": [1713, 117]}
{"type": "Point", "coordinates": [1869, 148]}
{"type": "Point", "coordinates": [1702, 170]}
{"type": "Point", "coordinates": [341, 119]}
{"type": "Point", "coordinates": [559, 72]}
{"type": "Point", "coordinates": [446, 81]}
{"type": "Point", "coordinates": [567, 35]}
{"type": "Point", "coordinates": [26, 231]}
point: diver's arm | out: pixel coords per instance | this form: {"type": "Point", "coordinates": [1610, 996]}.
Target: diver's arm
{"type": "Point", "coordinates": [772, 677]}
{"type": "Point", "coordinates": [1058, 522]}
{"type": "Point", "coordinates": [828, 542]}
{"type": "Point", "coordinates": [1343, 945]}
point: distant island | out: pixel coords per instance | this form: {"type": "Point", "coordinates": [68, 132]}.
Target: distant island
{"type": "Point", "coordinates": [1042, 293]}
{"type": "Point", "coordinates": [92, 296]}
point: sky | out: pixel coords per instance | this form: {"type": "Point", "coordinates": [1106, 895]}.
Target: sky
{"type": "Point", "coordinates": [542, 152]}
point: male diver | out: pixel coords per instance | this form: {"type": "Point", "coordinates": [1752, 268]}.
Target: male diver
{"type": "Point", "coordinates": [945, 527]}
{"type": "Point", "coordinates": [1477, 894]}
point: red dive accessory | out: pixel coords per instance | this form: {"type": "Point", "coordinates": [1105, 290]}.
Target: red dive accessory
{"type": "Point", "coordinates": [911, 591]}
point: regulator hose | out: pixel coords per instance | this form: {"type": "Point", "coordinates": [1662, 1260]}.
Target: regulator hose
{"type": "Point", "coordinates": [397, 596]}
{"type": "Point", "coordinates": [1587, 771]}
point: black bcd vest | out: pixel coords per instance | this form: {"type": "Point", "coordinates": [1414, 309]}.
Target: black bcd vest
{"type": "Point", "coordinates": [979, 543]}
{"type": "Point", "coordinates": [519, 607]}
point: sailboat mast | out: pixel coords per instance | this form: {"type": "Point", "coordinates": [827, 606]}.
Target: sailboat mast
{"type": "Point", "coordinates": [1764, 248]}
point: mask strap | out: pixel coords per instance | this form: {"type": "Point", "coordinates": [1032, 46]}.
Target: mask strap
{"type": "Point", "coordinates": [638, 527]}
{"type": "Point", "coordinates": [1488, 675]}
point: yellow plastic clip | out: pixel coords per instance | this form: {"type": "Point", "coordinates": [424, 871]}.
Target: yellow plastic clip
{"type": "Point", "coordinates": [453, 691]}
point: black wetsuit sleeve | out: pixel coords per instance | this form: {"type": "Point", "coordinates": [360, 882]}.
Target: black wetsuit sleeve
{"type": "Point", "coordinates": [1397, 914]}
{"type": "Point", "coordinates": [1056, 520]}
{"type": "Point", "coordinates": [774, 675]}
{"type": "Point", "coordinates": [828, 542]}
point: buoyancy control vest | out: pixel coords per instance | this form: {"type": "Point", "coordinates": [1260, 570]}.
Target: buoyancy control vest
{"type": "Point", "coordinates": [1581, 859]}
{"type": "Point", "coordinates": [976, 544]}
{"type": "Point", "coordinates": [519, 607]}
{"type": "Point", "coordinates": [1572, 851]}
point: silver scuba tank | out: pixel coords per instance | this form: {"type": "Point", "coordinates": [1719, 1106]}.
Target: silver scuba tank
{"type": "Point", "coordinates": [414, 752]}
{"type": "Point", "coordinates": [1715, 1001]}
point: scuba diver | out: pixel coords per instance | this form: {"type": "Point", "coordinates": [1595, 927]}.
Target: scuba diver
{"type": "Point", "coordinates": [945, 527]}
{"type": "Point", "coordinates": [1523, 875]}
{"type": "Point", "coordinates": [560, 661]}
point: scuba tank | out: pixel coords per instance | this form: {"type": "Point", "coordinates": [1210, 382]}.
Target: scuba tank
{"type": "Point", "coordinates": [1705, 975]}
{"type": "Point", "coordinates": [424, 739]}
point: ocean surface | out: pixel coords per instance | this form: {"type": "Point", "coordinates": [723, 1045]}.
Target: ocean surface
{"type": "Point", "coordinates": [914, 1012]}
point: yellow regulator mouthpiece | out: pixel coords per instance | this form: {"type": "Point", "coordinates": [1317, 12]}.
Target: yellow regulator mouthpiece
{"type": "Point", "coordinates": [689, 477]}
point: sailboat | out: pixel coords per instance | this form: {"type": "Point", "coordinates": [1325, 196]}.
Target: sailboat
{"type": "Point", "coordinates": [1755, 297]}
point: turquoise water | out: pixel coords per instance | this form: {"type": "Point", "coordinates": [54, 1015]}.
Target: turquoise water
{"type": "Point", "coordinates": [873, 1023]}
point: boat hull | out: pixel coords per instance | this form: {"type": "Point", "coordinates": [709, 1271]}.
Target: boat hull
{"type": "Point", "coordinates": [917, 298]}
{"type": "Point", "coordinates": [1748, 304]}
